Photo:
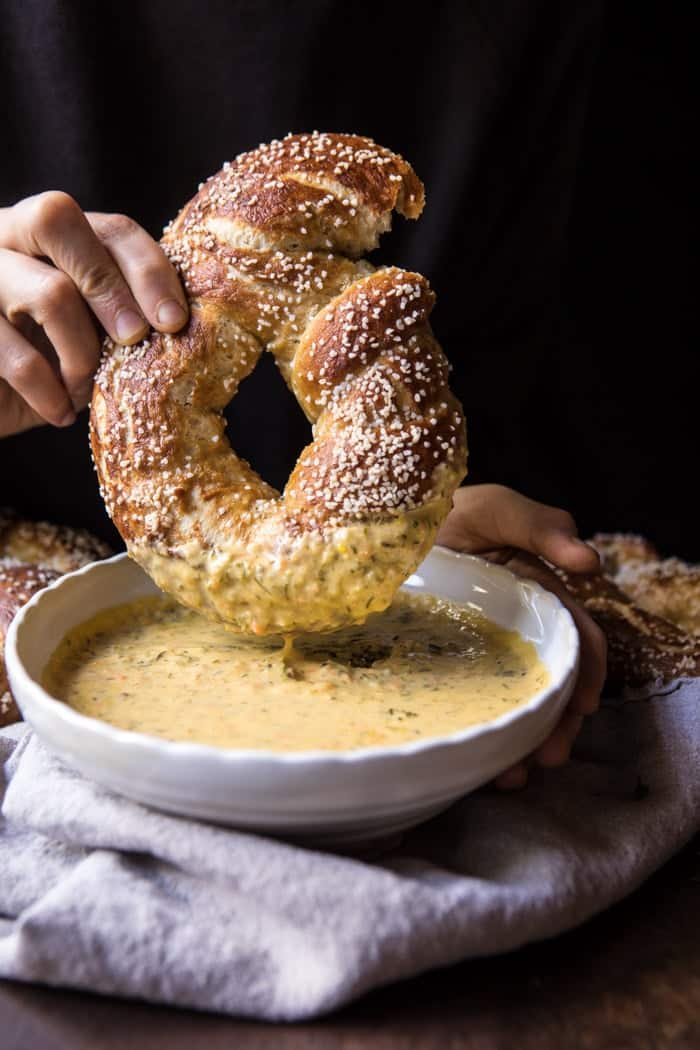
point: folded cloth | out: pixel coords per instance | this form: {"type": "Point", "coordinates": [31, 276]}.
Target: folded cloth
{"type": "Point", "coordinates": [104, 894]}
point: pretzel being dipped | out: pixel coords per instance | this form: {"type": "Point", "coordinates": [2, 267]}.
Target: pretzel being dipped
{"type": "Point", "coordinates": [269, 253]}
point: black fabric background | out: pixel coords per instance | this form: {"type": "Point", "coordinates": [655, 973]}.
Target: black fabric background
{"type": "Point", "coordinates": [553, 146]}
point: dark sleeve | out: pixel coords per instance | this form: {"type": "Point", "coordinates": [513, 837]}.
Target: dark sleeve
{"type": "Point", "coordinates": [517, 195]}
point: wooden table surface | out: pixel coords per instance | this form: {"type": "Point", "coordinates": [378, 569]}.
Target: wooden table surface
{"type": "Point", "coordinates": [627, 980]}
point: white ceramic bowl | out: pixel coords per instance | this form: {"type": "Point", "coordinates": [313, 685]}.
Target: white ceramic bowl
{"type": "Point", "coordinates": [328, 797]}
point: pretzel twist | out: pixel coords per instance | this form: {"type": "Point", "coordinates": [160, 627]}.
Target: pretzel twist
{"type": "Point", "coordinates": [269, 253]}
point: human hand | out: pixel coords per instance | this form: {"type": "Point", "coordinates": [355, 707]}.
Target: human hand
{"type": "Point", "coordinates": [61, 271]}
{"type": "Point", "coordinates": [497, 523]}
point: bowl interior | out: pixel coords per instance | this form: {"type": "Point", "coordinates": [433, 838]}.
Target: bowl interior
{"type": "Point", "coordinates": [489, 589]}
{"type": "Point", "coordinates": [519, 605]}
{"type": "Point", "coordinates": [316, 796]}
{"type": "Point", "coordinates": [82, 594]}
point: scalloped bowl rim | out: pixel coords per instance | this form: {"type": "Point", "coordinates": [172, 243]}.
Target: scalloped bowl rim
{"type": "Point", "coordinates": [23, 682]}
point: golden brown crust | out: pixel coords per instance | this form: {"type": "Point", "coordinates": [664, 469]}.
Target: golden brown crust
{"type": "Point", "coordinates": [665, 587]}
{"type": "Point", "coordinates": [319, 192]}
{"type": "Point", "coordinates": [18, 583]}
{"type": "Point", "coordinates": [32, 555]}
{"type": "Point", "coordinates": [269, 251]}
{"type": "Point", "coordinates": [642, 647]}
{"type": "Point", "coordinates": [668, 588]}
{"type": "Point", "coordinates": [621, 548]}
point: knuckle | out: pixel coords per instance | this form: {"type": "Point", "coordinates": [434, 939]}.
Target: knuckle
{"type": "Point", "coordinates": [54, 293]}
{"type": "Point", "coordinates": [98, 282]}
{"type": "Point", "coordinates": [152, 274]}
{"type": "Point", "coordinates": [54, 209]}
{"type": "Point", "coordinates": [116, 227]}
{"type": "Point", "coordinates": [24, 370]}
{"type": "Point", "coordinates": [492, 494]}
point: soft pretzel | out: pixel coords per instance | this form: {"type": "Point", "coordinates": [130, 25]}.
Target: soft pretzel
{"type": "Point", "coordinates": [32, 555]}
{"type": "Point", "coordinates": [269, 252]}
{"type": "Point", "coordinates": [617, 549]}
{"type": "Point", "coordinates": [666, 587]}
{"type": "Point", "coordinates": [58, 547]}
{"type": "Point", "coordinates": [18, 583]}
{"type": "Point", "coordinates": [642, 646]}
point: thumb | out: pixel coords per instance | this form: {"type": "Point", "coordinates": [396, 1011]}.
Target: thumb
{"type": "Point", "coordinates": [546, 531]}
{"type": "Point", "coordinates": [486, 518]}
{"type": "Point", "coordinates": [559, 545]}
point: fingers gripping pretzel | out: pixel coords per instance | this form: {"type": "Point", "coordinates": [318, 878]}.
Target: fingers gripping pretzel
{"type": "Point", "coordinates": [269, 251]}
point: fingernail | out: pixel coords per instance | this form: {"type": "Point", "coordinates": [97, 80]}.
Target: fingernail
{"type": "Point", "coordinates": [69, 418]}
{"type": "Point", "coordinates": [129, 325]}
{"type": "Point", "coordinates": [585, 544]}
{"type": "Point", "coordinates": [170, 314]}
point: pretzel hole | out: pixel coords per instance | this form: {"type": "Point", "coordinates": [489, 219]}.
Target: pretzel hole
{"type": "Point", "coordinates": [265, 425]}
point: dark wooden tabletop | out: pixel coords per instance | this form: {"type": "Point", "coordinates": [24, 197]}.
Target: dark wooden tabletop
{"type": "Point", "coordinates": [627, 980]}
